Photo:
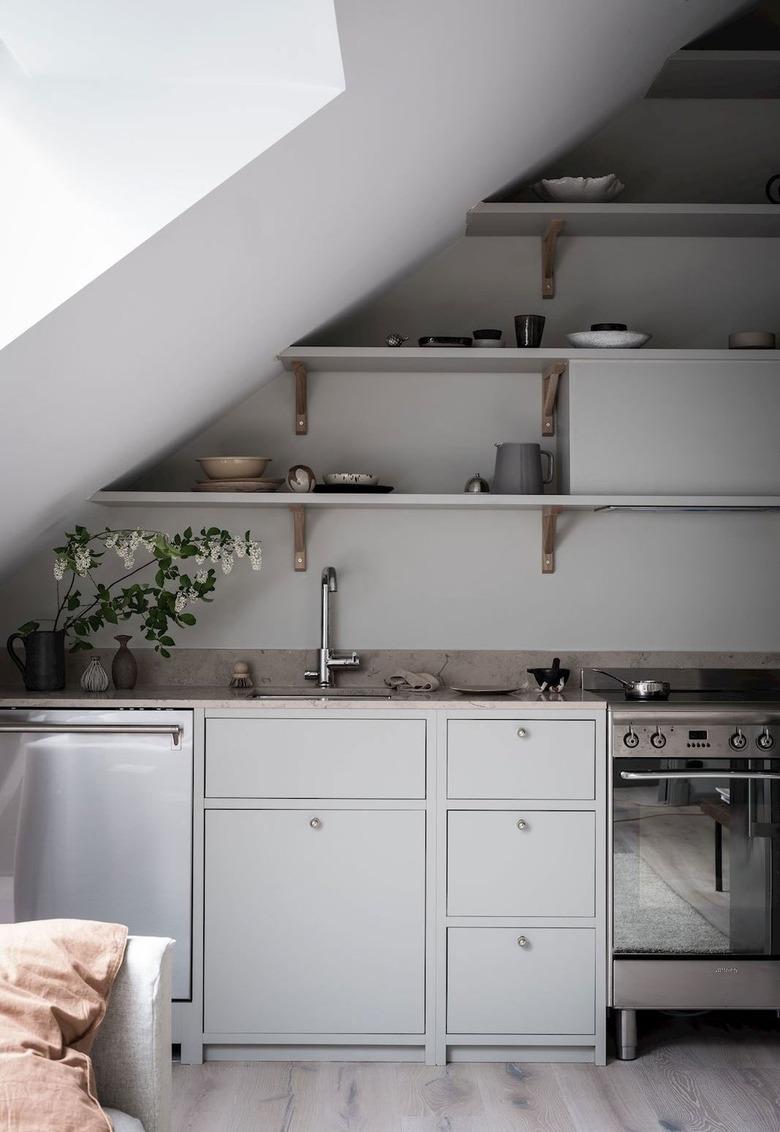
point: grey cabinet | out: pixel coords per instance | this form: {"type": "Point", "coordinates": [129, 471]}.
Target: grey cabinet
{"type": "Point", "coordinates": [521, 980]}
{"type": "Point", "coordinates": [314, 921]}
{"type": "Point", "coordinates": [521, 863]}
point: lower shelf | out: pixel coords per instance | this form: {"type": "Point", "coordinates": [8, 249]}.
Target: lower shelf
{"type": "Point", "coordinates": [550, 507]}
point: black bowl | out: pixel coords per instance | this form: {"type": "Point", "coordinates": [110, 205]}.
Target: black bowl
{"type": "Point", "coordinates": [550, 676]}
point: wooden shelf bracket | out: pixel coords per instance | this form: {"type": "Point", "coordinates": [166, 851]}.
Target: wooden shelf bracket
{"type": "Point", "coordinates": [552, 376]}
{"type": "Point", "coordinates": [301, 399]}
{"type": "Point", "coordinates": [298, 513]}
{"type": "Point", "coordinates": [549, 243]}
{"type": "Point", "coordinates": [549, 524]}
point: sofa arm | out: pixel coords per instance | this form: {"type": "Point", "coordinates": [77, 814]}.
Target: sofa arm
{"type": "Point", "coordinates": [132, 1050]}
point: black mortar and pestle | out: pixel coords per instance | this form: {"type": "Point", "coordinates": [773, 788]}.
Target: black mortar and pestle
{"type": "Point", "coordinates": [551, 679]}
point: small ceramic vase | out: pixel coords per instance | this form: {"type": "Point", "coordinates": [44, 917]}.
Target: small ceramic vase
{"type": "Point", "coordinates": [124, 666]}
{"type": "Point", "coordinates": [94, 678]}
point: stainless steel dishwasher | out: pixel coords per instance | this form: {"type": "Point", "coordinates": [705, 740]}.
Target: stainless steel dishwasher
{"type": "Point", "coordinates": [96, 821]}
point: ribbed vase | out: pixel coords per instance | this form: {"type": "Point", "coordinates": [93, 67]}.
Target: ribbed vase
{"type": "Point", "coordinates": [94, 678]}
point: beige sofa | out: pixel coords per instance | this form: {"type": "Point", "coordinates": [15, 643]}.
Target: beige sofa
{"type": "Point", "coordinates": [132, 1051]}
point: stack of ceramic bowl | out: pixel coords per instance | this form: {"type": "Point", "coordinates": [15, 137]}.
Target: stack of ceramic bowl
{"type": "Point", "coordinates": [235, 473]}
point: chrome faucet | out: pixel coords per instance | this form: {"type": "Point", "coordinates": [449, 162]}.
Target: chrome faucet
{"type": "Point", "coordinates": [327, 661]}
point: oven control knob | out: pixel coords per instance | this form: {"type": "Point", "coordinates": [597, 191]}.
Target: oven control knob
{"type": "Point", "coordinates": [658, 739]}
{"type": "Point", "coordinates": [631, 739]}
{"type": "Point", "coordinates": [738, 740]}
{"type": "Point", "coordinates": [766, 740]}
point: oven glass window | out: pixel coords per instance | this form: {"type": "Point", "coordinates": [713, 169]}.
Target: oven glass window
{"type": "Point", "coordinates": [696, 860]}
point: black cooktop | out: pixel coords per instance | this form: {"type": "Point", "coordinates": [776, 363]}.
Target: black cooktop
{"type": "Point", "coordinates": [706, 686]}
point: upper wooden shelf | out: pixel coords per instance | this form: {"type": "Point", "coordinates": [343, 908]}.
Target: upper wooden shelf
{"type": "Point", "coordinates": [618, 219]}
{"type": "Point", "coordinates": [413, 359]}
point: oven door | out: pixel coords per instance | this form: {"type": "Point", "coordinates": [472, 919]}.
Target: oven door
{"type": "Point", "coordinates": [696, 878]}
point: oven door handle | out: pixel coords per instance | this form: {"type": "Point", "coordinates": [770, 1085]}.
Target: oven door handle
{"type": "Point", "coordinates": [714, 773]}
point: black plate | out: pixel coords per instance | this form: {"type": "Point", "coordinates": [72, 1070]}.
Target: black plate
{"type": "Point", "coordinates": [353, 488]}
{"type": "Point", "coordinates": [439, 340]}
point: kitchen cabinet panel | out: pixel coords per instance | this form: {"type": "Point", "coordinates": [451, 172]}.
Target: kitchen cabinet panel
{"type": "Point", "coordinates": [674, 428]}
{"type": "Point", "coordinates": [496, 986]}
{"type": "Point", "coordinates": [315, 758]}
{"type": "Point", "coordinates": [521, 863]}
{"type": "Point", "coordinates": [315, 921]}
{"type": "Point", "coordinates": [521, 758]}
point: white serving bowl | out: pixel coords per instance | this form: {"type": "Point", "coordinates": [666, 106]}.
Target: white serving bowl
{"type": "Point", "coordinates": [354, 479]}
{"type": "Point", "coordinates": [608, 339]}
{"type": "Point", "coordinates": [233, 467]}
{"type": "Point", "coordinates": [579, 190]}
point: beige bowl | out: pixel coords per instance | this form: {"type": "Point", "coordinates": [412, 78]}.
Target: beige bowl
{"type": "Point", "coordinates": [233, 467]}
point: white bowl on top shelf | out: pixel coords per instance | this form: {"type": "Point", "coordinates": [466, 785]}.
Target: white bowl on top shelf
{"type": "Point", "coordinates": [579, 190]}
{"type": "Point", "coordinates": [608, 339]}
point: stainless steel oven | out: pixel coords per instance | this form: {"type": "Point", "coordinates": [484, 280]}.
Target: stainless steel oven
{"type": "Point", "coordinates": [695, 854]}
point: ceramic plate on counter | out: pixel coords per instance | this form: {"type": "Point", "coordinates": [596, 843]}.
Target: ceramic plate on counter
{"type": "Point", "coordinates": [483, 689]}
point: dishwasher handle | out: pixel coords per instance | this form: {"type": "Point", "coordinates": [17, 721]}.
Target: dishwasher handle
{"type": "Point", "coordinates": [175, 730]}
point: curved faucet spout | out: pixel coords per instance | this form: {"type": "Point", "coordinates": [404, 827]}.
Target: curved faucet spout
{"type": "Point", "coordinates": [327, 660]}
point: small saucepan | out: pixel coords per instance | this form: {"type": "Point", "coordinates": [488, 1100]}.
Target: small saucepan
{"type": "Point", "coordinates": [641, 689]}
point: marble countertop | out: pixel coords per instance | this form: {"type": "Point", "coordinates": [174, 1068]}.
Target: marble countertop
{"type": "Point", "coordinates": [210, 697]}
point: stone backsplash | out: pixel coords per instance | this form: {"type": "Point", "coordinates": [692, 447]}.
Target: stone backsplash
{"type": "Point", "coordinates": [285, 667]}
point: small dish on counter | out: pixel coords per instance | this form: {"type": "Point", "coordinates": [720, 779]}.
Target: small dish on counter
{"type": "Point", "coordinates": [608, 339]}
{"type": "Point", "coordinates": [238, 485]}
{"type": "Point", "coordinates": [354, 479]}
{"type": "Point", "coordinates": [233, 467]}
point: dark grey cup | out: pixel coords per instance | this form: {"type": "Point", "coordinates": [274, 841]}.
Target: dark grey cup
{"type": "Point", "coordinates": [529, 329]}
{"type": "Point", "coordinates": [43, 667]}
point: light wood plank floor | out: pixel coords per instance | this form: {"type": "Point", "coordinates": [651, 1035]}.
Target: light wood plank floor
{"type": "Point", "coordinates": [714, 1073]}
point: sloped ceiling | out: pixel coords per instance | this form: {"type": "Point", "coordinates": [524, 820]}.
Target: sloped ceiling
{"type": "Point", "coordinates": [444, 102]}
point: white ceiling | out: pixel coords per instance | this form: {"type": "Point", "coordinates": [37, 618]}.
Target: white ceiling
{"type": "Point", "coordinates": [443, 103]}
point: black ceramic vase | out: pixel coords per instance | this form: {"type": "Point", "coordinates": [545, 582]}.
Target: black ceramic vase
{"type": "Point", "coordinates": [124, 666]}
{"type": "Point", "coordinates": [43, 667]}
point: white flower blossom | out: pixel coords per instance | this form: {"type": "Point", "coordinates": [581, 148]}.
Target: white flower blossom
{"type": "Point", "coordinates": [59, 568]}
{"type": "Point", "coordinates": [180, 604]}
{"type": "Point", "coordinates": [201, 577]}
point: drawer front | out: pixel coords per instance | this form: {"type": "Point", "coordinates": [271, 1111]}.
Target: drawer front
{"type": "Point", "coordinates": [495, 986]}
{"type": "Point", "coordinates": [521, 758]}
{"type": "Point", "coordinates": [521, 863]}
{"type": "Point", "coordinates": [315, 758]}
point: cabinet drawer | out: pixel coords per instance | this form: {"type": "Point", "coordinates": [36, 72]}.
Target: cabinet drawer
{"type": "Point", "coordinates": [494, 986]}
{"type": "Point", "coordinates": [521, 863]}
{"type": "Point", "coordinates": [521, 758]}
{"type": "Point", "coordinates": [315, 758]}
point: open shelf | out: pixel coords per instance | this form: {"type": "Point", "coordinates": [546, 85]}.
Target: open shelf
{"type": "Point", "coordinates": [616, 219]}
{"type": "Point", "coordinates": [393, 501]}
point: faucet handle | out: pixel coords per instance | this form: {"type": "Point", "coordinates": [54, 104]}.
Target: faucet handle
{"type": "Point", "coordinates": [309, 675]}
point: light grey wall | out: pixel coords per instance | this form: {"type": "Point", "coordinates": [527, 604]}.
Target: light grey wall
{"type": "Point", "coordinates": [443, 103]}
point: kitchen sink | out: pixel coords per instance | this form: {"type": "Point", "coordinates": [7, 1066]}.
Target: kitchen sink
{"type": "Point", "coordinates": [316, 693]}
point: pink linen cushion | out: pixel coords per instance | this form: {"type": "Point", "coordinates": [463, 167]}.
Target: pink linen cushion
{"type": "Point", "coordinates": [55, 979]}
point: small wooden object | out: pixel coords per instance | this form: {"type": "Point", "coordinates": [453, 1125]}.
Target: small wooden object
{"type": "Point", "coordinates": [552, 376]}
{"type": "Point", "coordinates": [549, 522]}
{"type": "Point", "coordinates": [549, 242]}
{"type": "Point", "coordinates": [301, 399]}
{"type": "Point", "coordinates": [299, 536]}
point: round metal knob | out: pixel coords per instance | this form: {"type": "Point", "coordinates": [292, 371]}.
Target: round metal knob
{"type": "Point", "coordinates": [521, 733]}
{"type": "Point", "coordinates": [522, 823]}
{"type": "Point", "coordinates": [658, 739]}
{"type": "Point", "coordinates": [738, 740]}
{"type": "Point", "coordinates": [522, 941]}
{"type": "Point", "coordinates": [765, 741]}
{"type": "Point", "coordinates": [631, 739]}
{"type": "Point", "coordinates": [315, 823]}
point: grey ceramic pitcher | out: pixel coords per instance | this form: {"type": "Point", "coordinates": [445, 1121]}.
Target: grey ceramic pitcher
{"type": "Point", "coordinates": [519, 469]}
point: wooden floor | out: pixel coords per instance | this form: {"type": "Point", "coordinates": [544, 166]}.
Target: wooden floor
{"type": "Point", "coordinates": [714, 1073]}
